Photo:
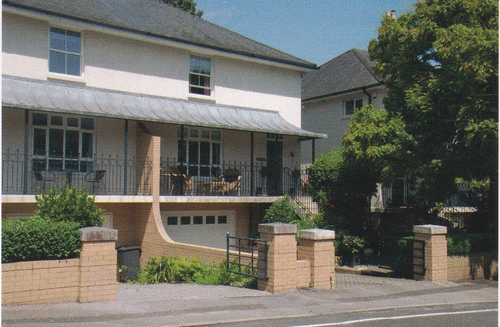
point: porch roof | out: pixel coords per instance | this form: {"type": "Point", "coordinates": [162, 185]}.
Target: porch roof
{"type": "Point", "coordinates": [77, 99]}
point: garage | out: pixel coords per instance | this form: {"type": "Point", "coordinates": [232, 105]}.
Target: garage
{"type": "Point", "coordinates": [206, 228]}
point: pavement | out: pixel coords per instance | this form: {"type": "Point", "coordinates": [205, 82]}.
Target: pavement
{"type": "Point", "coordinates": [201, 305]}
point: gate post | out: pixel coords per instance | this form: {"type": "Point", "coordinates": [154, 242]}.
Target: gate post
{"type": "Point", "coordinates": [435, 251]}
{"type": "Point", "coordinates": [317, 247]}
{"type": "Point", "coordinates": [281, 257]}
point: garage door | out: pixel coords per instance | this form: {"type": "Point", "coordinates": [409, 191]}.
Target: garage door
{"type": "Point", "coordinates": [207, 228]}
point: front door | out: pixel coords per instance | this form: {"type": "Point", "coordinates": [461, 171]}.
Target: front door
{"type": "Point", "coordinates": [275, 164]}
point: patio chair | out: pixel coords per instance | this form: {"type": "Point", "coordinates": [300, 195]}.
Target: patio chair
{"type": "Point", "coordinates": [43, 178]}
{"type": "Point", "coordinates": [232, 181]}
{"type": "Point", "coordinates": [94, 179]}
{"type": "Point", "coordinates": [179, 180]}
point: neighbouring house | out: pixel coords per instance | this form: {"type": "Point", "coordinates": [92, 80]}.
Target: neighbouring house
{"type": "Point", "coordinates": [329, 97]}
{"type": "Point", "coordinates": [332, 93]}
{"type": "Point", "coordinates": [183, 130]}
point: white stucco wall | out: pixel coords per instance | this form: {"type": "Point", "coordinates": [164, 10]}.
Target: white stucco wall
{"type": "Point", "coordinates": [12, 130]}
{"type": "Point", "coordinates": [140, 66]}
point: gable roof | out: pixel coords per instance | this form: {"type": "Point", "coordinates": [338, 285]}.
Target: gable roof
{"type": "Point", "coordinates": [351, 71]}
{"type": "Point", "coordinates": [155, 19]}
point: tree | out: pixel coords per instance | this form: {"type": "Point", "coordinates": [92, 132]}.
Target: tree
{"type": "Point", "coordinates": [440, 66]}
{"type": "Point", "coordinates": [186, 5]}
{"type": "Point", "coordinates": [372, 151]}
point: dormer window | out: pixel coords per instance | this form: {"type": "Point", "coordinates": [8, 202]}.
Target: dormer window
{"type": "Point", "coordinates": [199, 75]}
{"type": "Point", "coordinates": [65, 53]}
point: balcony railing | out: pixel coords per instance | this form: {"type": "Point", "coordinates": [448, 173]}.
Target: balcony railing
{"type": "Point", "coordinates": [107, 175]}
{"type": "Point", "coordinates": [100, 175]}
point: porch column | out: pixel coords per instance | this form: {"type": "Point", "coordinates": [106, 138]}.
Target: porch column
{"type": "Point", "coordinates": [313, 150]}
{"type": "Point", "coordinates": [435, 251]}
{"type": "Point", "coordinates": [125, 154]}
{"type": "Point", "coordinates": [26, 133]}
{"type": "Point", "coordinates": [251, 163]}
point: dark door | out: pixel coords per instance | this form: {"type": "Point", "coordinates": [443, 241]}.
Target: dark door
{"type": "Point", "coordinates": [274, 165]}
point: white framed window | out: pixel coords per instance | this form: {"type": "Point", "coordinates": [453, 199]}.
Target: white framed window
{"type": "Point", "coordinates": [351, 105]}
{"type": "Point", "coordinates": [65, 52]}
{"type": "Point", "coordinates": [199, 151]}
{"type": "Point", "coordinates": [200, 72]}
{"type": "Point", "coordinates": [62, 143]}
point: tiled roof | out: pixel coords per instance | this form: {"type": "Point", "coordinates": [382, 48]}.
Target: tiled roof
{"type": "Point", "coordinates": [153, 18]}
{"type": "Point", "coordinates": [350, 71]}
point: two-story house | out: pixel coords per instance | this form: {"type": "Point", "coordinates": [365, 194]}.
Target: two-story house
{"type": "Point", "coordinates": [183, 130]}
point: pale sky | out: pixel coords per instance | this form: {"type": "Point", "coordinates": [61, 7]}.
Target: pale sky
{"type": "Point", "coordinates": [313, 30]}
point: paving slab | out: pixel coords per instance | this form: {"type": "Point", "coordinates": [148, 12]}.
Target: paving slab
{"type": "Point", "coordinates": [191, 305]}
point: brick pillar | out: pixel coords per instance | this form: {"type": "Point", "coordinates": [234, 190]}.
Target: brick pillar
{"type": "Point", "coordinates": [316, 246]}
{"type": "Point", "coordinates": [98, 262]}
{"type": "Point", "coordinates": [281, 257]}
{"type": "Point", "coordinates": [436, 251]}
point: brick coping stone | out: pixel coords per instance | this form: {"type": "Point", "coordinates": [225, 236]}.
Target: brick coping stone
{"type": "Point", "coordinates": [96, 234]}
{"type": "Point", "coordinates": [278, 228]}
{"type": "Point", "coordinates": [317, 234]}
{"type": "Point", "coordinates": [429, 229]}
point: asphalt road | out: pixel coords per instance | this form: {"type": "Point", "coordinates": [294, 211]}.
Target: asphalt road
{"type": "Point", "coordinates": [466, 315]}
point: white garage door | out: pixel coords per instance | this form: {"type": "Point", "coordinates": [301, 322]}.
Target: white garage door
{"type": "Point", "coordinates": [207, 228]}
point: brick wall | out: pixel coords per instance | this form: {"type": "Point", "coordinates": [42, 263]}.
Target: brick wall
{"type": "Point", "coordinates": [40, 282]}
{"type": "Point", "coordinates": [474, 266]}
{"type": "Point", "coordinates": [92, 277]}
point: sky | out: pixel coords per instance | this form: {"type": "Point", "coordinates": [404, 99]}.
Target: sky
{"type": "Point", "coordinates": [313, 30]}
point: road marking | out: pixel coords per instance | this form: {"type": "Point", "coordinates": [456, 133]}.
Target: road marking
{"type": "Point", "coordinates": [349, 322]}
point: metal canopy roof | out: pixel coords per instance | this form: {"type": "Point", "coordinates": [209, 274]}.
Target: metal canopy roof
{"type": "Point", "coordinates": [80, 100]}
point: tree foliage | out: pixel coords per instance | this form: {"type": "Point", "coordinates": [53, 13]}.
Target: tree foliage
{"type": "Point", "coordinates": [440, 66]}
{"type": "Point", "coordinates": [186, 5]}
{"type": "Point", "coordinates": [344, 180]}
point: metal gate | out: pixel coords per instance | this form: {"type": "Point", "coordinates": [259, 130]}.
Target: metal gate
{"type": "Point", "coordinates": [246, 256]}
{"type": "Point", "coordinates": [419, 258]}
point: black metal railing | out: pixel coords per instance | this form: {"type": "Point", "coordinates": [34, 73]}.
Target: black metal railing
{"type": "Point", "coordinates": [105, 175]}
{"type": "Point", "coordinates": [246, 256]}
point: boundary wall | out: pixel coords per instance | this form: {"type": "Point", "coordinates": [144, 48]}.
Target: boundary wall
{"type": "Point", "coordinates": [92, 277]}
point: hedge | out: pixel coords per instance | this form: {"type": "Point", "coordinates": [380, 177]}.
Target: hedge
{"type": "Point", "coordinates": [38, 239]}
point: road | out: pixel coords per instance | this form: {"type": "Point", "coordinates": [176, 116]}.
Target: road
{"type": "Point", "coordinates": [466, 315]}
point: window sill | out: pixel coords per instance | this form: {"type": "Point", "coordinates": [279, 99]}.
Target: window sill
{"type": "Point", "coordinates": [199, 97]}
{"type": "Point", "coordinates": [67, 78]}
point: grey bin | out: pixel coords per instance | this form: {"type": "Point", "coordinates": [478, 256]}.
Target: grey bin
{"type": "Point", "coordinates": [128, 262]}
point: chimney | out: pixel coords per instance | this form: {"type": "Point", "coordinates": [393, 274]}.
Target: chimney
{"type": "Point", "coordinates": [391, 13]}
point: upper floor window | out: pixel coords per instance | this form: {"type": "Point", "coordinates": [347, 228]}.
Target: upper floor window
{"type": "Point", "coordinates": [352, 105]}
{"type": "Point", "coordinates": [199, 75]}
{"type": "Point", "coordinates": [62, 143]}
{"type": "Point", "coordinates": [65, 53]}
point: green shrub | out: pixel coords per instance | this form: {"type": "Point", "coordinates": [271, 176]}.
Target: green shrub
{"type": "Point", "coordinates": [465, 243]}
{"type": "Point", "coordinates": [281, 211]}
{"type": "Point", "coordinates": [39, 239]}
{"type": "Point", "coordinates": [404, 263]}
{"type": "Point", "coordinates": [69, 205]}
{"type": "Point", "coordinates": [182, 270]}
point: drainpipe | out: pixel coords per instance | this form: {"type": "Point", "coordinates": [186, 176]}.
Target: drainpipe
{"type": "Point", "coordinates": [313, 150]}
{"type": "Point", "coordinates": [26, 131]}
{"type": "Point", "coordinates": [369, 96]}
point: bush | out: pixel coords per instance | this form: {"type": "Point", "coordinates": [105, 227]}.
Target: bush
{"type": "Point", "coordinates": [69, 205]}
{"type": "Point", "coordinates": [39, 239]}
{"type": "Point", "coordinates": [465, 243]}
{"type": "Point", "coordinates": [404, 264]}
{"type": "Point", "coordinates": [182, 270]}
{"type": "Point", "coordinates": [281, 211]}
